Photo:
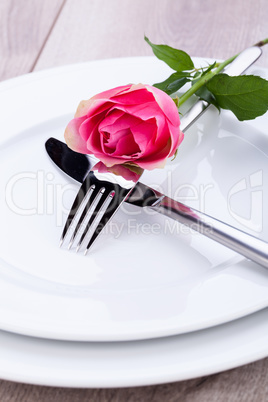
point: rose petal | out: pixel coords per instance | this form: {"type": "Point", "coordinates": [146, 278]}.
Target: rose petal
{"type": "Point", "coordinates": [134, 96]}
{"type": "Point", "coordinates": [132, 123]}
{"type": "Point", "coordinates": [123, 145]}
{"type": "Point", "coordinates": [72, 136]}
{"type": "Point", "coordinates": [176, 139]}
{"type": "Point", "coordinates": [144, 134]}
{"type": "Point", "coordinates": [142, 111]}
{"type": "Point", "coordinates": [168, 107]}
{"type": "Point", "coordinates": [117, 120]}
{"type": "Point", "coordinates": [99, 99]}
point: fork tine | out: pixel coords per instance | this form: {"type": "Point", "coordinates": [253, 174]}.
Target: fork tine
{"type": "Point", "coordinates": [110, 211]}
{"type": "Point", "coordinates": [83, 191]}
{"type": "Point", "coordinates": [88, 205]}
{"type": "Point", "coordinates": [94, 206]}
{"type": "Point", "coordinates": [94, 215]}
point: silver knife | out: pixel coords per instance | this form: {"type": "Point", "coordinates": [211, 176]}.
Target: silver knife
{"type": "Point", "coordinates": [77, 166]}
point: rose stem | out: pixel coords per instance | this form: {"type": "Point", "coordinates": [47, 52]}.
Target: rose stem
{"type": "Point", "coordinates": [203, 80]}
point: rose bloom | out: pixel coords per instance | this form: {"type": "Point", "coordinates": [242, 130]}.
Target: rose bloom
{"type": "Point", "coordinates": [136, 124]}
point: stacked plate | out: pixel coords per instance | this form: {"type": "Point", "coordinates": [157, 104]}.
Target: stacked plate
{"type": "Point", "coordinates": [153, 301]}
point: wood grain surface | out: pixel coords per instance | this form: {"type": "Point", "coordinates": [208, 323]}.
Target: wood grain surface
{"type": "Point", "coordinates": [97, 29]}
{"type": "Point", "coordinates": [35, 35]}
{"type": "Point", "coordinates": [24, 29]}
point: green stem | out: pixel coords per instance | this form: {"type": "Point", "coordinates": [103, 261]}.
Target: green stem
{"type": "Point", "coordinates": [262, 42]}
{"type": "Point", "coordinates": [203, 80]}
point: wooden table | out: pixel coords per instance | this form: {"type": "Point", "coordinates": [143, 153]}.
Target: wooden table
{"type": "Point", "coordinates": [36, 35]}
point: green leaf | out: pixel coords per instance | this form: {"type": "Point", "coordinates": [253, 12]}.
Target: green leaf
{"type": "Point", "coordinates": [204, 94]}
{"type": "Point", "coordinates": [178, 60]}
{"type": "Point", "coordinates": [174, 82]}
{"type": "Point", "coordinates": [246, 96]}
{"type": "Point", "coordinates": [209, 68]}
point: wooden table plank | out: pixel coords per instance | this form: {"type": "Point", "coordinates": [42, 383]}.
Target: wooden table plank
{"type": "Point", "coordinates": [24, 28]}
{"type": "Point", "coordinates": [97, 29]}
{"type": "Point", "coordinates": [244, 384]}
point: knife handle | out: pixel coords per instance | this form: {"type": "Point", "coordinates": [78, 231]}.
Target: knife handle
{"type": "Point", "coordinates": [249, 246]}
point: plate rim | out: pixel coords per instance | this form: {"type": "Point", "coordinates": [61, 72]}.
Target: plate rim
{"type": "Point", "coordinates": [73, 67]}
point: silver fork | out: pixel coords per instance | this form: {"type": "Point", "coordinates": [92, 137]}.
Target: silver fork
{"type": "Point", "coordinates": [99, 197]}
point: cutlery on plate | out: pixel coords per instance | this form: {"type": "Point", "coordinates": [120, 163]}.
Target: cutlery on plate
{"type": "Point", "coordinates": [144, 196]}
{"type": "Point", "coordinates": [97, 200]}
{"type": "Point", "coordinates": [79, 167]}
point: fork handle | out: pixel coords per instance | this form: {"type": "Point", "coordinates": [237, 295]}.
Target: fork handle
{"type": "Point", "coordinates": [243, 243]}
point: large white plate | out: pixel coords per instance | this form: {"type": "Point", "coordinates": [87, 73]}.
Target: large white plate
{"type": "Point", "coordinates": [124, 364]}
{"type": "Point", "coordinates": [146, 276]}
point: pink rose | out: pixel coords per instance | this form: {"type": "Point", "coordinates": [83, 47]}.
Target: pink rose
{"type": "Point", "coordinates": [136, 124]}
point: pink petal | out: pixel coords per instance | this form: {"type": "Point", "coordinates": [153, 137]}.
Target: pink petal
{"type": "Point", "coordinates": [176, 139]}
{"type": "Point", "coordinates": [117, 120]}
{"type": "Point", "coordinates": [134, 97]}
{"type": "Point", "coordinates": [99, 99]}
{"type": "Point", "coordinates": [123, 145]}
{"type": "Point", "coordinates": [110, 160]}
{"type": "Point", "coordinates": [145, 133]}
{"type": "Point", "coordinates": [166, 104]}
{"type": "Point", "coordinates": [142, 111]}
{"type": "Point", "coordinates": [72, 136]}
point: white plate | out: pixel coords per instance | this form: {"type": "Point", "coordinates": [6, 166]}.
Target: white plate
{"type": "Point", "coordinates": [156, 278]}
{"type": "Point", "coordinates": [125, 364]}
